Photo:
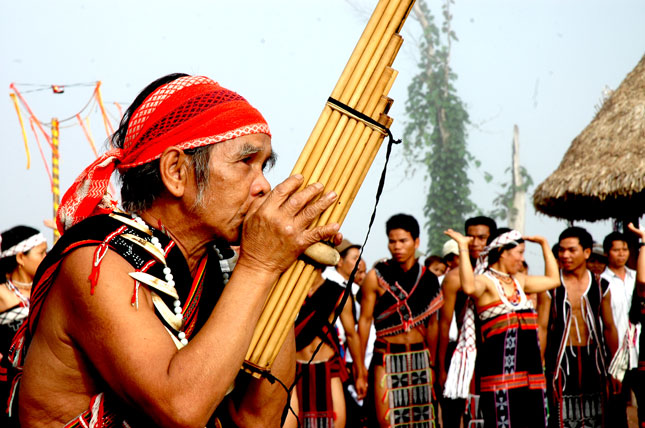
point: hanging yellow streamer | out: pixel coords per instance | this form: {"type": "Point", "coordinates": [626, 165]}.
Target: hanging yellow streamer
{"type": "Point", "coordinates": [108, 126]}
{"type": "Point", "coordinates": [55, 170]}
{"type": "Point", "coordinates": [22, 128]}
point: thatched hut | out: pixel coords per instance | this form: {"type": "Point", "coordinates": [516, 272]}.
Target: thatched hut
{"type": "Point", "coordinates": [602, 175]}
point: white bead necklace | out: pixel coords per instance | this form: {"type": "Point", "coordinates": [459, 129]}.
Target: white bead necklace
{"type": "Point", "coordinates": [169, 279]}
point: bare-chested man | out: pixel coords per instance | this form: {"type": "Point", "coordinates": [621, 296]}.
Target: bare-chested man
{"type": "Point", "coordinates": [139, 319]}
{"type": "Point", "coordinates": [402, 298]}
{"type": "Point", "coordinates": [577, 351]}
{"type": "Point", "coordinates": [451, 314]}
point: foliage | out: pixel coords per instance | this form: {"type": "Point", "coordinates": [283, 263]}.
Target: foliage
{"type": "Point", "coordinates": [435, 134]}
{"type": "Point", "coordinates": [503, 202]}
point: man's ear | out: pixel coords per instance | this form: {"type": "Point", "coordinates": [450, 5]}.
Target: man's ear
{"type": "Point", "coordinates": [174, 168]}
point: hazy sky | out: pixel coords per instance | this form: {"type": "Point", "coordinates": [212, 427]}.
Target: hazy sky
{"type": "Point", "coordinates": [539, 64]}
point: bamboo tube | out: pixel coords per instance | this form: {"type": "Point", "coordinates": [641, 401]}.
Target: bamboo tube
{"type": "Point", "coordinates": [266, 312]}
{"type": "Point", "coordinates": [337, 153]}
{"type": "Point", "coordinates": [358, 162]}
{"type": "Point", "coordinates": [292, 306]}
{"type": "Point", "coordinates": [356, 84]}
{"type": "Point", "coordinates": [272, 315]}
{"type": "Point", "coordinates": [342, 161]}
{"type": "Point", "coordinates": [359, 180]}
{"type": "Point", "coordinates": [392, 45]}
{"type": "Point", "coordinates": [366, 104]}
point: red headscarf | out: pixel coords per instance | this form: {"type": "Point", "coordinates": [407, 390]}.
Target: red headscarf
{"type": "Point", "coordinates": [189, 112]}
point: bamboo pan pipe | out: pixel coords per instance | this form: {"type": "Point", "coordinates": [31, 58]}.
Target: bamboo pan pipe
{"type": "Point", "coordinates": [337, 154]}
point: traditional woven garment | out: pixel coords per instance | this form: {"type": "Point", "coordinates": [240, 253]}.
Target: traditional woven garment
{"type": "Point", "coordinates": [511, 382]}
{"type": "Point", "coordinates": [314, 387]}
{"type": "Point", "coordinates": [408, 383]}
{"type": "Point", "coordinates": [462, 363]}
{"type": "Point", "coordinates": [410, 298]}
{"type": "Point", "coordinates": [116, 231]}
{"type": "Point", "coordinates": [313, 318]}
{"type": "Point", "coordinates": [314, 391]}
{"type": "Point", "coordinates": [576, 373]}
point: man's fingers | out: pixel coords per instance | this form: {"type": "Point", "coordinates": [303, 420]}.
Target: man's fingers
{"type": "Point", "coordinates": [321, 233]}
{"type": "Point", "coordinates": [282, 191]}
{"type": "Point", "coordinates": [314, 209]}
{"type": "Point", "coordinates": [299, 200]}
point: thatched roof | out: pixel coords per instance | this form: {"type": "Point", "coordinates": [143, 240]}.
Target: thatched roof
{"type": "Point", "coordinates": [602, 175]}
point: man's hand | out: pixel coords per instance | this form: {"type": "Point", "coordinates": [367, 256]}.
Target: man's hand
{"type": "Point", "coordinates": [275, 230]}
{"type": "Point", "coordinates": [360, 382]}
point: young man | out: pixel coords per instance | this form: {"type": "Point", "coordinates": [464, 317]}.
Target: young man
{"type": "Point", "coordinates": [321, 397]}
{"type": "Point", "coordinates": [577, 352]}
{"type": "Point", "coordinates": [451, 314]}
{"type": "Point", "coordinates": [138, 319]}
{"type": "Point", "coordinates": [402, 298]}
{"type": "Point", "coordinates": [621, 281]}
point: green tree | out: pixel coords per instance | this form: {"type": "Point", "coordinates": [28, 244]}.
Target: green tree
{"type": "Point", "coordinates": [435, 134]}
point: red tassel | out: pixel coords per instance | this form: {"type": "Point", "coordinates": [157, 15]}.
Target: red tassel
{"type": "Point", "coordinates": [100, 252]}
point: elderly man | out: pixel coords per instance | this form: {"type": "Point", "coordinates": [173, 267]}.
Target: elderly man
{"type": "Point", "coordinates": [138, 319]}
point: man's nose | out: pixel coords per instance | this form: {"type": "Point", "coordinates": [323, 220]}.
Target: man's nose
{"type": "Point", "coordinates": [261, 186]}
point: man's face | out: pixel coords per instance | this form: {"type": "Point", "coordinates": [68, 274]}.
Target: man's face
{"type": "Point", "coordinates": [347, 263]}
{"type": "Point", "coordinates": [571, 255]}
{"type": "Point", "coordinates": [480, 234]}
{"type": "Point", "coordinates": [236, 179]}
{"type": "Point", "coordinates": [401, 245]}
{"type": "Point", "coordinates": [595, 265]}
{"type": "Point", "coordinates": [618, 254]}
{"type": "Point", "coordinates": [360, 273]}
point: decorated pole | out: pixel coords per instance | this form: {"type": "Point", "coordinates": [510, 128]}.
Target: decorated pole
{"type": "Point", "coordinates": [55, 175]}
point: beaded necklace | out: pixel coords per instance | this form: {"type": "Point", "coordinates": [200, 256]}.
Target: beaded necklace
{"type": "Point", "coordinates": [167, 275]}
{"type": "Point", "coordinates": [12, 287]}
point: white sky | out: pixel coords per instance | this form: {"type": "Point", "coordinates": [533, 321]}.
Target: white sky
{"type": "Point", "coordinates": [539, 64]}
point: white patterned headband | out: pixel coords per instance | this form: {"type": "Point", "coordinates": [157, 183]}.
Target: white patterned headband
{"type": "Point", "coordinates": [512, 236]}
{"type": "Point", "coordinates": [24, 246]}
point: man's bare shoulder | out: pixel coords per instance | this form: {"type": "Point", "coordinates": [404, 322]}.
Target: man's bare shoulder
{"type": "Point", "coordinates": [451, 282]}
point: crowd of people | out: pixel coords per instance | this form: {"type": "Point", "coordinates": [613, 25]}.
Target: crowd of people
{"type": "Point", "coordinates": [141, 315]}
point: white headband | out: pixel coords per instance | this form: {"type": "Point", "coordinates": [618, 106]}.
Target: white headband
{"type": "Point", "coordinates": [499, 242]}
{"type": "Point", "coordinates": [24, 246]}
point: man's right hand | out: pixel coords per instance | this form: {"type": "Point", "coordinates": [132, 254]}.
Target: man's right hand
{"type": "Point", "coordinates": [275, 230]}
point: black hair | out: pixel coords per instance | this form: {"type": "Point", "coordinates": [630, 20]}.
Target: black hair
{"type": "Point", "coordinates": [344, 253]}
{"type": "Point", "coordinates": [11, 237]}
{"type": "Point", "coordinates": [141, 185]}
{"type": "Point", "coordinates": [495, 253]}
{"type": "Point", "coordinates": [609, 240]}
{"type": "Point", "coordinates": [481, 220]}
{"type": "Point", "coordinates": [405, 222]}
{"type": "Point", "coordinates": [432, 259]}
{"type": "Point", "coordinates": [584, 237]}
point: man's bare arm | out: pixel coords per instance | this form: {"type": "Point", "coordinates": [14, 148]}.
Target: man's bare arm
{"type": "Point", "coordinates": [611, 334]}
{"type": "Point", "coordinates": [370, 293]}
{"type": "Point", "coordinates": [354, 345]}
{"type": "Point", "coordinates": [132, 350]}
{"type": "Point", "coordinates": [544, 306]}
{"type": "Point", "coordinates": [450, 287]}
{"type": "Point", "coordinates": [640, 264]}
{"type": "Point", "coordinates": [263, 402]}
